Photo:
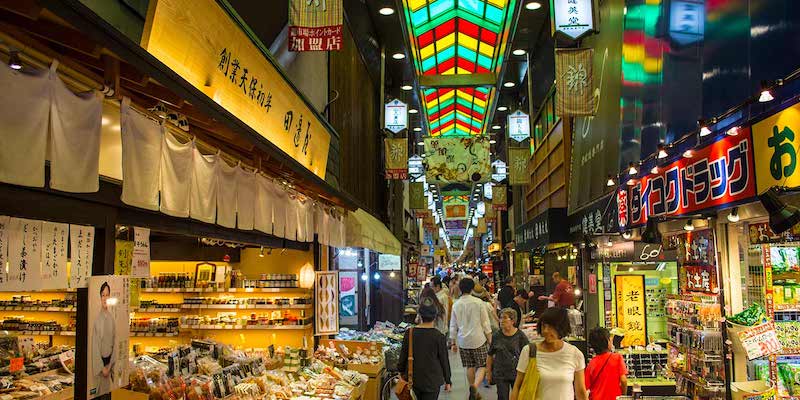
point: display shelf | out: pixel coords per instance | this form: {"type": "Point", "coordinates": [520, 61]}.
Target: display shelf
{"type": "Point", "coordinates": [246, 327]}
{"type": "Point", "coordinates": [651, 382]}
{"type": "Point", "coordinates": [157, 310]}
{"type": "Point", "coordinates": [154, 334]}
{"type": "Point", "coordinates": [231, 290]}
{"type": "Point", "coordinates": [48, 309]}
{"type": "Point", "coordinates": [247, 307]}
{"type": "Point", "coordinates": [42, 333]}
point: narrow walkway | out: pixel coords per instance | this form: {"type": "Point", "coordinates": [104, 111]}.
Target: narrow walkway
{"type": "Point", "coordinates": [460, 388]}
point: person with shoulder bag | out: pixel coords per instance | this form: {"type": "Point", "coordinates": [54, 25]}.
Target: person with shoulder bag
{"type": "Point", "coordinates": [606, 375]}
{"type": "Point", "coordinates": [424, 364]}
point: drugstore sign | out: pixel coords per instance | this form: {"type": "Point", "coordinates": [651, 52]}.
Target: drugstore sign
{"type": "Point", "coordinates": [776, 142]}
{"type": "Point", "coordinates": [199, 41]}
{"type": "Point", "coordinates": [716, 175]}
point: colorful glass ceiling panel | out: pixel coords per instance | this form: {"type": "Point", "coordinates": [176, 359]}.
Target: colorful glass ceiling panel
{"type": "Point", "coordinates": [456, 111]}
{"type": "Point", "coordinates": [453, 37]}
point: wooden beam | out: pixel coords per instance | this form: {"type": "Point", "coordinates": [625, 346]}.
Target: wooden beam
{"type": "Point", "coordinates": [488, 79]}
{"type": "Point", "coordinates": [111, 74]}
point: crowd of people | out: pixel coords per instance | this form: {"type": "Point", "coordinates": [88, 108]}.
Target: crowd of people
{"type": "Point", "coordinates": [459, 312]}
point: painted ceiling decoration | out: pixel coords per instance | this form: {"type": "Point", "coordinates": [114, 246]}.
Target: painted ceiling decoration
{"type": "Point", "coordinates": [458, 49]}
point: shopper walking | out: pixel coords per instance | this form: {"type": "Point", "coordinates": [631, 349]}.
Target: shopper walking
{"type": "Point", "coordinates": [455, 292]}
{"type": "Point", "coordinates": [430, 363]}
{"type": "Point", "coordinates": [507, 344]}
{"type": "Point", "coordinates": [440, 322]}
{"type": "Point", "coordinates": [444, 299]}
{"type": "Point", "coordinates": [559, 365]}
{"type": "Point", "coordinates": [506, 297]}
{"type": "Point", "coordinates": [606, 375]}
{"type": "Point", "coordinates": [481, 293]}
{"type": "Point", "coordinates": [470, 332]}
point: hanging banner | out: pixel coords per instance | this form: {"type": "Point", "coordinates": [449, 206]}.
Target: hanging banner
{"type": "Point", "coordinates": [518, 166]}
{"type": "Point", "coordinates": [411, 270]}
{"type": "Point", "coordinates": [123, 262]}
{"type": "Point", "coordinates": [499, 198]}
{"type": "Point", "coordinates": [519, 126]}
{"type": "Point", "coordinates": [326, 313]}
{"type": "Point", "coordinates": [481, 228]}
{"type": "Point", "coordinates": [348, 297]}
{"type": "Point", "coordinates": [203, 44]}
{"type": "Point", "coordinates": [718, 174]}
{"type": "Point", "coordinates": [396, 151]}
{"type": "Point", "coordinates": [396, 115]}
{"type": "Point", "coordinates": [451, 160]}
{"type": "Point", "coordinates": [574, 82]}
{"type": "Point", "coordinates": [776, 141]}
{"type": "Point", "coordinates": [423, 213]}
{"type": "Point", "coordinates": [455, 211]}
{"type": "Point", "coordinates": [55, 239]}
{"type": "Point", "coordinates": [141, 253]}
{"type": "Point", "coordinates": [109, 324]}
{"type": "Point", "coordinates": [573, 18]}
{"type": "Point", "coordinates": [499, 172]}
{"type": "Point", "coordinates": [415, 168]}
{"type": "Point", "coordinates": [416, 196]}
{"type": "Point", "coordinates": [81, 244]}
{"type": "Point", "coordinates": [315, 25]}
{"type": "Point", "coordinates": [24, 255]}
{"type": "Point", "coordinates": [631, 311]}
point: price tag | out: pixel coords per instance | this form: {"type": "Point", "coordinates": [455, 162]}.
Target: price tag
{"type": "Point", "coordinates": [17, 364]}
{"type": "Point", "coordinates": [760, 341]}
{"type": "Point", "coordinates": [66, 356]}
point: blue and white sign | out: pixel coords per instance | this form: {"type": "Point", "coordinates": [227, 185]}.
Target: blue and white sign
{"type": "Point", "coordinates": [687, 21]}
{"type": "Point", "coordinates": [519, 126]}
{"type": "Point", "coordinates": [573, 18]}
{"type": "Point", "coordinates": [499, 174]}
{"type": "Point", "coordinates": [396, 114]}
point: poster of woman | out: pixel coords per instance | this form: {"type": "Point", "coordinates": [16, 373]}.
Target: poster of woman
{"type": "Point", "coordinates": [109, 328]}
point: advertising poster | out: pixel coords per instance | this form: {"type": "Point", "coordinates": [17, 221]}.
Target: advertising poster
{"type": "Point", "coordinates": [109, 328]}
{"type": "Point", "coordinates": [631, 312]}
{"type": "Point", "coordinates": [453, 160]}
{"type": "Point", "coordinates": [140, 263]}
{"type": "Point", "coordinates": [348, 297]}
{"type": "Point", "coordinates": [55, 238]}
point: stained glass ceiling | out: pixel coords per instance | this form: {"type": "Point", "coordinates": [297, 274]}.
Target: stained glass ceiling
{"type": "Point", "coordinates": [458, 36]}
{"type": "Point", "coordinates": [456, 111]}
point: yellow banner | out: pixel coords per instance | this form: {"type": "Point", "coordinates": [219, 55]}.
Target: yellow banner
{"type": "Point", "coordinates": [396, 151]}
{"type": "Point", "coordinates": [631, 309]}
{"type": "Point", "coordinates": [123, 260]}
{"type": "Point", "coordinates": [775, 141]}
{"type": "Point", "coordinates": [518, 166]}
{"type": "Point", "coordinates": [201, 43]}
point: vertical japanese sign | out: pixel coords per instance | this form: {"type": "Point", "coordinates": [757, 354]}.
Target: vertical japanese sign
{"type": "Point", "coordinates": [109, 329]}
{"type": "Point", "coordinates": [622, 208]}
{"type": "Point", "coordinates": [718, 174]}
{"type": "Point", "coordinates": [209, 49]}
{"type": "Point", "coordinates": [775, 142]}
{"type": "Point", "coordinates": [519, 126]}
{"type": "Point", "coordinates": [4, 238]}
{"type": "Point", "coordinates": [141, 253]}
{"type": "Point", "coordinates": [573, 18]}
{"type": "Point", "coordinates": [499, 198]}
{"type": "Point", "coordinates": [518, 166]}
{"type": "Point", "coordinates": [396, 115]}
{"type": "Point", "coordinates": [81, 243]}
{"type": "Point", "coordinates": [315, 25]}
{"type": "Point", "coordinates": [396, 158]}
{"type": "Point", "coordinates": [123, 263]}
{"type": "Point", "coordinates": [54, 256]}
{"type": "Point", "coordinates": [416, 196]}
{"type": "Point", "coordinates": [631, 311]}
{"type": "Point", "coordinates": [574, 82]}
{"type": "Point", "coordinates": [24, 254]}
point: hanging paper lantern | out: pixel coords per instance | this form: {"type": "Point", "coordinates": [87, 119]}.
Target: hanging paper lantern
{"type": "Point", "coordinates": [307, 276]}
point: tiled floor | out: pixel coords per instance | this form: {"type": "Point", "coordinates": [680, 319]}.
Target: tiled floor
{"type": "Point", "coordinates": [460, 388]}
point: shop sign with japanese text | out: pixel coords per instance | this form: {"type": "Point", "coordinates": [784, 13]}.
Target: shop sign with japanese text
{"type": "Point", "coordinates": [631, 309]}
{"type": "Point", "coordinates": [499, 198]}
{"type": "Point", "coordinates": [518, 166]}
{"type": "Point", "coordinates": [519, 126]}
{"type": "Point", "coordinates": [573, 18]}
{"type": "Point", "coordinates": [545, 228]}
{"type": "Point", "coordinates": [315, 25]}
{"type": "Point", "coordinates": [760, 340]}
{"type": "Point", "coordinates": [716, 175]}
{"type": "Point", "coordinates": [209, 50]}
{"type": "Point", "coordinates": [396, 115]}
{"type": "Point", "coordinates": [776, 141]}
{"type": "Point", "coordinates": [396, 158]}
{"type": "Point", "coordinates": [597, 218]}
{"type": "Point", "coordinates": [761, 233]}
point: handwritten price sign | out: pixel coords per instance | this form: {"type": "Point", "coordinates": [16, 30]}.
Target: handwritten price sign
{"type": "Point", "coordinates": [760, 341]}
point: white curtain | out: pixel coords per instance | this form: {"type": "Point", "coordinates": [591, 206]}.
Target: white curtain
{"type": "Point", "coordinates": [226, 194]}
{"type": "Point", "coordinates": [75, 121]}
{"type": "Point", "coordinates": [263, 204]}
{"type": "Point", "coordinates": [203, 190]}
{"type": "Point", "coordinates": [141, 157]}
{"type": "Point", "coordinates": [176, 176]}
{"type": "Point", "coordinates": [245, 199]}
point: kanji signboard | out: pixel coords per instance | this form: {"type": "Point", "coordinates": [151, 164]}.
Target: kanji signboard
{"type": "Point", "coordinates": [716, 175]}
{"type": "Point", "coordinates": [573, 18]}
{"type": "Point", "coordinates": [315, 25]}
{"type": "Point", "coordinates": [775, 142]}
{"type": "Point", "coordinates": [519, 126]}
{"type": "Point", "coordinates": [631, 310]}
{"type": "Point", "coordinates": [396, 115]}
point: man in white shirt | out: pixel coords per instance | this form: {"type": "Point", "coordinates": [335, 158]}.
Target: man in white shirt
{"type": "Point", "coordinates": [470, 333]}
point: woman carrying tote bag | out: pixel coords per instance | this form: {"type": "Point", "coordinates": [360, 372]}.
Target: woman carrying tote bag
{"type": "Point", "coordinates": [427, 366]}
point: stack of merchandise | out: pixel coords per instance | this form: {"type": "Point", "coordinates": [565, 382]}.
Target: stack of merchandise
{"type": "Point", "coordinates": [44, 370]}
{"type": "Point", "coordinates": [208, 370]}
{"type": "Point", "coordinates": [367, 354]}
{"type": "Point", "coordinates": [386, 333]}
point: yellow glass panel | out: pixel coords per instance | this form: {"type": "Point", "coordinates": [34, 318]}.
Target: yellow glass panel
{"type": "Point", "coordinates": [633, 53]}
{"type": "Point", "coordinates": [427, 51]}
{"type": "Point", "coordinates": [416, 4]}
{"type": "Point", "coordinates": [446, 41]}
{"type": "Point", "coordinates": [486, 50]}
{"type": "Point", "coordinates": [652, 65]}
{"type": "Point", "coordinates": [498, 3]}
{"type": "Point", "coordinates": [450, 71]}
{"type": "Point", "coordinates": [468, 42]}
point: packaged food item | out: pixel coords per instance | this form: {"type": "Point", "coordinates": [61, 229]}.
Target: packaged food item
{"type": "Point", "coordinates": [751, 316]}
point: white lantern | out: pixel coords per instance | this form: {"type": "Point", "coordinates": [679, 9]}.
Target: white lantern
{"type": "Point", "coordinates": [307, 276]}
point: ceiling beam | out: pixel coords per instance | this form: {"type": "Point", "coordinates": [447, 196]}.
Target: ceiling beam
{"type": "Point", "coordinates": [472, 80]}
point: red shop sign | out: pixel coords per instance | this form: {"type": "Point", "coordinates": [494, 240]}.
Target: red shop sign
{"type": "Point", "coordinates": [717, 174]}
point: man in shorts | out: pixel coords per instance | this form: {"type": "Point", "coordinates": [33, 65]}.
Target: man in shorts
{"type": "Point", "coordinates": [471, 333]}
